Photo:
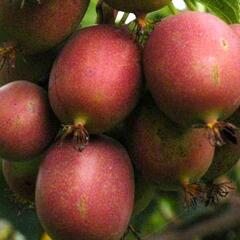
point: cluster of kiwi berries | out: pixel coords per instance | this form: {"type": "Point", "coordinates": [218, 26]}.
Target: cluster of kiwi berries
{"type": "Point", "coordinates": [168, 102]}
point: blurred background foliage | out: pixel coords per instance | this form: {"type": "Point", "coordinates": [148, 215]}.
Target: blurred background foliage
{"type": "Point", "coordinates": [166, 213]}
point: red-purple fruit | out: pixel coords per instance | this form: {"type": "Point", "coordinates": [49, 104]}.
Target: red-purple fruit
{"type": "Point", "coordinates": [27, 122]}
{"type": "Point", "coordinates": [191, 63]}
{"type": "Point", "coordinates": [21, 177]}
{"type": "Point", "coordinates": [95, 82]}
{"type": "Point", "coordinates": [172, 157]}
{"type": "Point", "coordinates": [137, 6]}
{"type": "Point", "coordinates": [39, 27]}
{"type": "Point", "coordinates": [85, 195]}
{"type": "Point", "coordinates": [236, 28]}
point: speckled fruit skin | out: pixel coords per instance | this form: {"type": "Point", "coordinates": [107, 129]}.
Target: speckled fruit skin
{"type": "Point", "coordinates": [35, 68]}
{"type": "Point", "coordinates": [137, 6]}
{"type": "Point", "coordinates": [191, 63]}
{"type": "Point", "coordinates": [236, 28]}
{"type": "Point", "coordinates": [27, 123]}
{"type": "Point", "coordinates": [85, 195]}
{"type": "Point", "coordinates": [39, 27]}
{"type": "Point", "coordinates": [96, 80]}
{"type": "Point", "coordinates": [21, 177]}
{"type": "Point", "coordinates": [165, 154]}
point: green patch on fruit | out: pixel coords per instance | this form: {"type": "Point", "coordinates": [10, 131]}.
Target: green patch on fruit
{"type": "Point", "coordinates": [211, 116]}
{"type": "Point", "coordinates": [81, 119]}
{"type": "Point", "coordinates": [18, 120]}
{"type": "Point", "coordinates": [99, 97]}
{"type": "Point", "coordinates": [30, 106]}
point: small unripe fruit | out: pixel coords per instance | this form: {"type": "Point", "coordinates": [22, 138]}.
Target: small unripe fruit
{"type": "Point", "coordinates": [171, 157]}
{"type": "Point", "coordinates": [21, 177]}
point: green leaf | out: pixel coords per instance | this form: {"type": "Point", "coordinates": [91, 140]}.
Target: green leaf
{"type": "Point", "coordinates": [90, 16]}
{"type": "Point", "coordinates": [228, 10]}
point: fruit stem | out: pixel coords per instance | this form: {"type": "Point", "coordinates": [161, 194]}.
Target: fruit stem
{"type": "Point", "coordinates": [99, 12]}
{"type": "Point", "coordinates": [193, 194]}
{"type": "Point", "coordinates": [132, 230]}
{"type": "Point", "coordinates": [78, 133]}
{"type": "Point", "coordinates": [222, 133]}
{"type": "Point", "coordinates": [82, 120]}
{"type": "Point", "coordinates": [8, 54]}
{"type": "Point", "coordinates": [142, 28]}
{"type": "Point", "coordinates": [105, 14]}
{"type": "Point", "coordinates": [142, 21]}
{"type": "Point", "coordinates": [123, 19]}
{"type": "Point", "coordinates": [217, 191]}
{"type": "Point", "coordinates": [172, 8]}
{"type": "Point", "coordinates": [190, 5]}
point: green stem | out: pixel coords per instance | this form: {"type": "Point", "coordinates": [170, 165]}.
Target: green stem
{"type": "Point", "coordinates": [190, 5]}
{"type": "Point", "coordinates": [123, 19]}
{"type": "Point", "coordinates": [99, 12]}
{"type": "Point", "coordinates": [172, 8]}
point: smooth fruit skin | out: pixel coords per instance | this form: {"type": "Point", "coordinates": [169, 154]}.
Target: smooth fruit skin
{"type": "Point", "coordinates": [137, 6]}
{"type": "Point", "coordinates": [21, 177]}
{"type": "Point", "coordinates": [39, 27]}
{"type": "Point", "coordinates": [86, 195]}
{"type": "Point", "coordinates": [164, 153]}
{"type": "Point", "coordinates": [27, 123]}
{"type": "Point", "coordinates": [191, 63]}
{"type": "Point", "coordinates": [236, 28]}
{"type": "Point", "coordinates": [96, 80]}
